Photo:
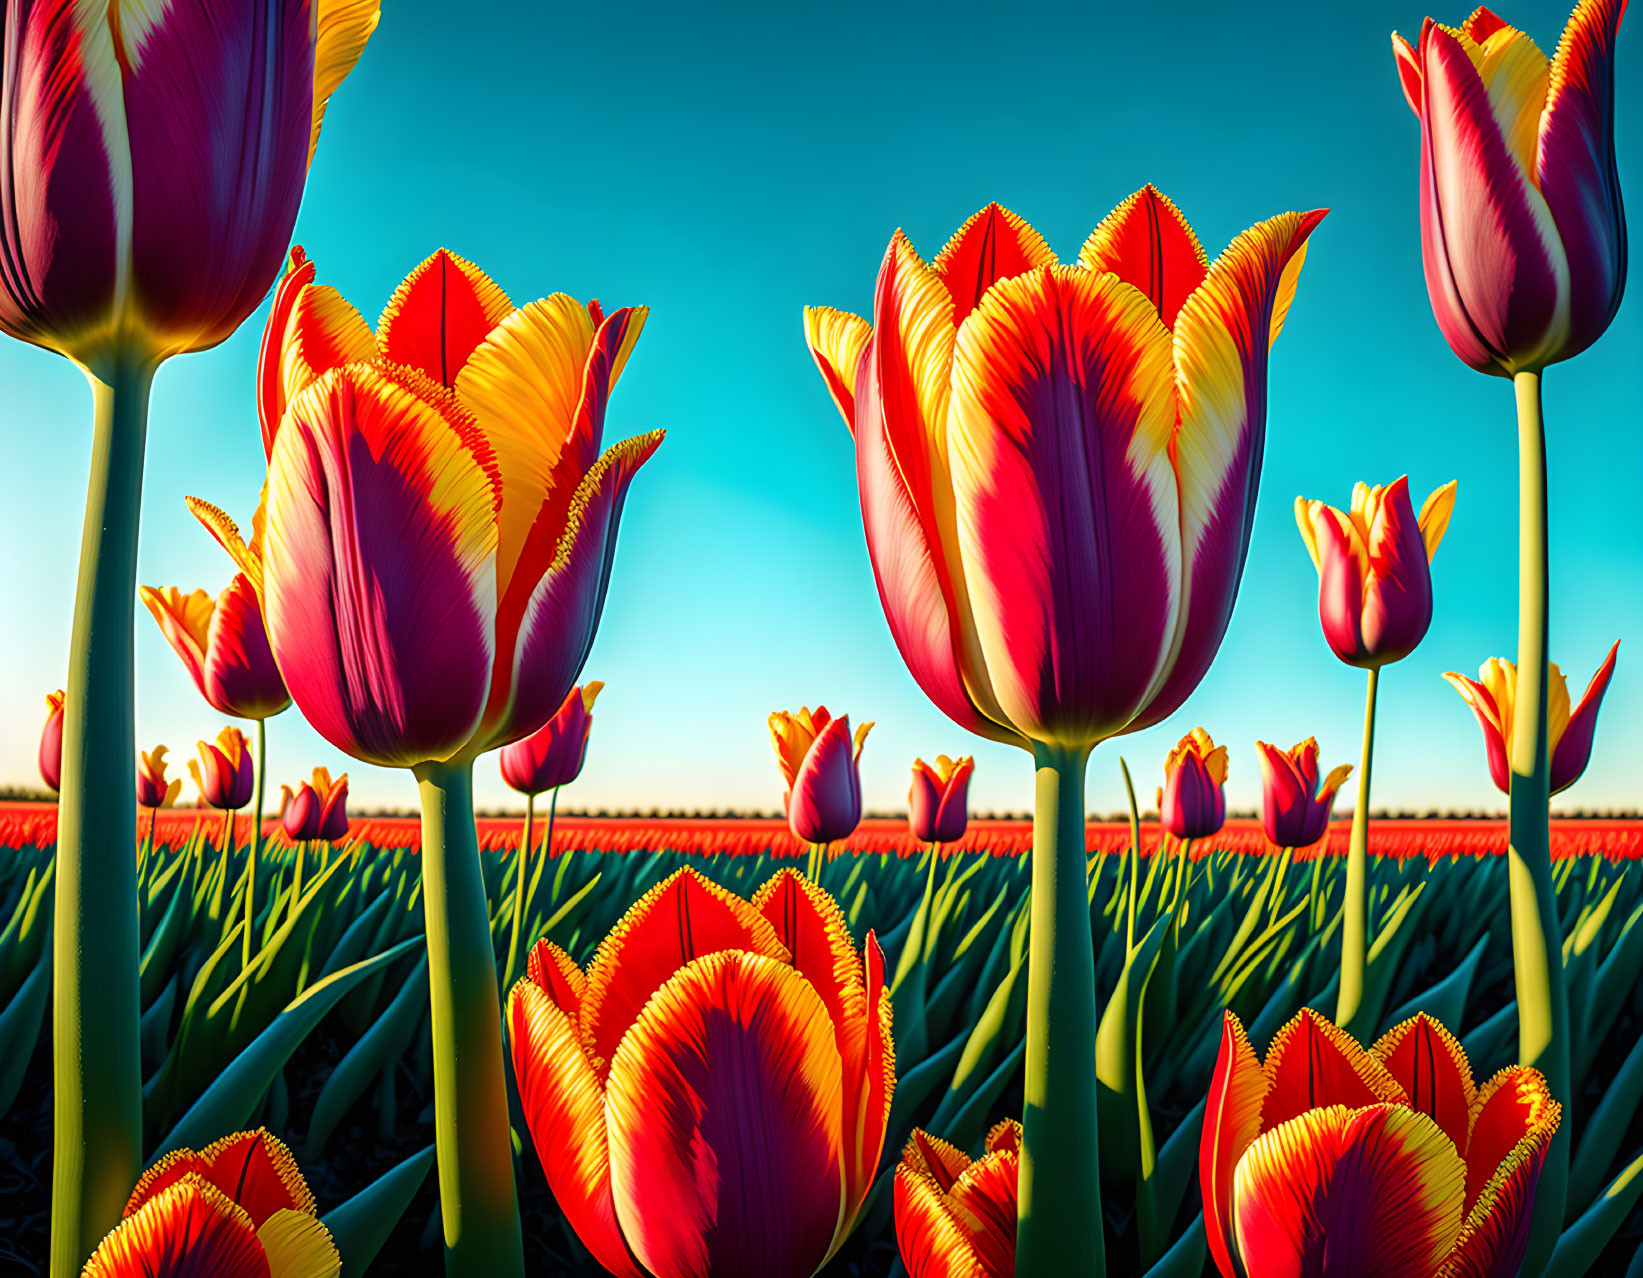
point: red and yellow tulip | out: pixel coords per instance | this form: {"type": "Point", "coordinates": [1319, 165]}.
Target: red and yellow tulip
{"type": "Point", "coordinates": [938, 803]}
{"type": "Point", "coordinates": [1523, 237]}
{"type": "Point", "coordinates": [1374, 568]}
{"type": "Point", "coordinates": [956, 1218]}
{"type": "Point", "coordinates": [1294, 808]}
{"type": "Point", "coordinates": [224, 646]}
{"type": "Point", "coordinates": [1393, 1152]}
{"type": "Point", "coordinates": [237, 1209]}
{"type": "Point", "coordinates": [552, 756]}
{"type": "Point", "coordinates": [223, 774]}
{"type": "Point", "coordinates": [1057, 463]}
{"type": "Point", "coordinates": [154, 158]}
{"type": "Point", "coordinates": [51, 742]}
{"type": "Point", "coordinates": [1192, 802]}
{"type": "Point", "coordinates": [711, 1095]}
{"type": "Point", "coordinates": [821, 766]}
{"type": "Point", "coordinates": [461, 437]}
{"type": "Point", "coordinates": [153, 790]}
{"type": "Point", "coordinates": [317, 809]}
{"type": "Point", "coordinates": [1492, 696]}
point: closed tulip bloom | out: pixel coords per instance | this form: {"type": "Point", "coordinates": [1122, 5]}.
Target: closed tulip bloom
{"type": "Point", "coordinates": [752, 1040]}
{"type": "Point", "coordinates": [440, 523]}
{"type": "Point", "coordinates": [1294, 809]}
{"type": "Point", "coordinates": [1374, 568]}
{"type": "Point", "coordinates": [1191, 802]}
{"type": "Point", "coordinates": [224, 646]}
{"type": "Point", "coordinates": [237, 1209]}
{"type": "Point", "coordinates": [51, 742]}
{"type": "Point", "coordinates": [1057, 463]}
{"type": "Point", "coordinates": [1492, 696]}
{"type": "Point", "coordinates": [153, 790]}
{"type": "Point", "coordinates": [1325, 1149]}
{"type": "Point", "coordinates": [317, 810]}
{"type": "Point", "coordinates": [939, 802]}
{"type": "Point", "coordinates": [957, 1217]}
{"type": "Point", "coordinates": [153, 159]}
{"type": "Point", "coordinates": [1523, 238]}
{"type": "Point", "coordinates": [223, 772]}
{"type": "Point", "coordinates": [552, 755]}
{"type": "Point", "coordinates": [820, 763]}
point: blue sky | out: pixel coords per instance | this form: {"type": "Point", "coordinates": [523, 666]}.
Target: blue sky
{"type": "Point", "coordinates": [727, 164]}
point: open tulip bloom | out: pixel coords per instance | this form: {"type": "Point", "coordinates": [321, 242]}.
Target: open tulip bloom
{"type": "Point", "coordinates": [432, 556]}
{"type": "Point", "coordinates": [237, 1209]}
{"type": "Point", "coordinates": [1057, 466]}
{"type": "Point", "coordinates": [1523, 242]}
{"type": "Point", "coordinates": [153, 158]}
{"type": "Point", "coordinates": [954, 1216]}
{"type": "Point", "coordinates": [1325, 1154]}
{"type": "Point", "coordinates": [710, 1096]}
{"type": "Point", "coordinates": [1375, 603]}
{"type": "Point", "coordinates": [821, 766]}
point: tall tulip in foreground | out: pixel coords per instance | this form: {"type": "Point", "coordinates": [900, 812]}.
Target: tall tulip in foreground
{"type": "Point", "coordinates": [821, 766]}
{"type": "Point", "coordinates": [153, 158]}
{"type": "Point", "coordinates": [957, 1217]}
{"type": "Point", "coordinates": [1375, 604]}
{"type": "Point", "coordinates": [1057, 467]}
{"type": "Point", "coordinates": [237, 1209]}
{"type": "Point", "coordinates": [1395, 1154]}
{"type": "Point", "coordinates": [1492, 696]}
{"type": "Point", "coordinates": [432, 562]}
{"type": "Point", "coordinates": [550, 757]}
{"type": "Point", "coordinates": [50, 754]}
{"type": "Point", "coordinates": [1523, 241]}
{"type": "Point", "coordinates": [710, 1096]}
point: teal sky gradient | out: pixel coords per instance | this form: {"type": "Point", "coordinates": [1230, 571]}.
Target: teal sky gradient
{"type": "Point", "coordinates": [727, 164]}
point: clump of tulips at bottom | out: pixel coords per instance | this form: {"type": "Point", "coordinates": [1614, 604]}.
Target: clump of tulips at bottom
{"type": "Point", "coordinates": [710, 1096]}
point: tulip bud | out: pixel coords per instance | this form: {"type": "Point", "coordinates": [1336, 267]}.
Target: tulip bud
{"type": "Point", "coordinates": [938, 803]}
{"type": "Point", "coordinates": [51, 742]}
{"type": "Point", "coordinates": [224, 646]}
{"type": "Point", "coordinates": [153, 790]}
{"type": "Point", "coordinates": [820, 763]}
{"type": "Point", "coordinates": [1294, 810]}
{"type": "Point", "coordinates": [1191, 802]}
{"type": "Point", "coordinates": [553, 755]}
{"type": "Point", "coordinates": [223, 773]}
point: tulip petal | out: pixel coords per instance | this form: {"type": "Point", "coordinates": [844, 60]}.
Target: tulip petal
{"type": "Point", "coordinates": [1409, 72]}
{"type": "Point", "coordinates": [994, 244]}
{"type": "Point", "coordinates": [1232, 1122]}
{"type": "Point", "coordinates": [1483, 706]}
{"type": "Point", "coordinates": [219, 98]}
{"type": "Point", "coordinates": [439, 314]}
{"type": "Point", "coordinates": [561, 615]}
{"type": "Point", "coordinates": [1221, 340]}
{"type": "Point", "coordinates": [1512, 1107]}
{"type": "Point", "coordinates": [1435, 512]}
{"type": "Point", "coordinates": [1572, 749]}
{"type": "Point", "coordinates": [186, 1229]}
{"type": "Point", "coordinates": [558, 976]}
{"type": "Point", "coordinates": [984, 1200]}
{"type": "Point", "coordinates": [344, 27]}
{"type": "Point", "coordinates": [1313, 1063]}
{"type": "Point", "coordinates": [1432, 1069]}
{"type": "Point", "coordinates": [932, 1243]}
{"type": "Point", "coordinates": [1147, 242]}
{"type": "Point", "coordinates": [724, 1109]}
{"type": "Point", "coordinates": [254, 1169]}
{"type": "Point", "coordinates": [1495, 1233]}
{"type": "Point", "coordinates": [240, 677]}
{"type": "Point", "coordinates": [379, 574]}
{"type": "Point", "coordinates": [1061, 419]}
{"type": "Point", "coordinates": [185, 621]}
{"type": "Point", "coordinates": [683, 918]}
{"type": "Point", "coordinates": [322, 332]}
{"type": "Point", "coordinates": [825, 802]}
{"type": "Point", "coordinates": [1349, 1194]}
{"type": "Point", "coordinates": [297, 1245]}
{"type": "Point", "coordinates": [837, 341]}
{"type": "Point", "coordinates": [564, 1106]}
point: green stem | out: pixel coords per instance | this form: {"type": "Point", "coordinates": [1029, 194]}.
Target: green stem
{"type": "Point", "coordinates": [1184, 856]}
{"type": "Point", "coordinates": [1135, 859]}
{"type": "Point", "coordinates": [1059, 1228]}
{"type": "Point", "coordinates": [475, 1150]}
{"type": "Point", "coordinates": [97, 1076]}
{"type": "Point", "coordinates": [1537, 941]}
{"type": "Point", "coordinates": [300, 849]}
{"type": "Point", "coordinates": [256, 843]}
{"type": "Point", "coordinates": [519, 893]}
{"type": "Point", "coordinates": [1349, 1006]}
{"type": "Point", "coordinates": [553, 807]}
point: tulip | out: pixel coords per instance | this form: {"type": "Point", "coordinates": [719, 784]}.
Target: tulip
{"type": "Point", "coordinates": [1191, 802]}
{"type": "Point", "coordinates": [820, 764]}
{"type": "Point", "coordinates": [954, 1216]}
{"type": "Point", "coordinates": [237, 1209]}
{"type": "Point", "coordinates": [223, 645]}
{"type": "Point", "coordinates": [1294, 809]}
{"type": "Point", "coordinates": [152, 159]}
{"type": "Point", "coordinates": [222, 773]}
{"type": "Point", "coordinates": [317, 810]}
{"type": "Point", "coordinates": [1325, 1149]}
{"type": "Point", "coordinates": [1523, 242]}
{"type": "Point", "coordinates": [51, 742]}
{"type": "Point", "coordinates": [153, 790]}
{"type": "Point", "coordinates": [1569, 739]}
{"type": "Point", "coordinates": [710, 1096]}
{"type": "Point", "coordinates": [547, 759]}
{"type": "Point", "coordinates": [1375, 602]}
{"type": "Point", "coordinates": [432, 558]}
{"type": "Point", "coordinates": [938, 803]}
{"type": "Point", "coordinates": [1057, 468]}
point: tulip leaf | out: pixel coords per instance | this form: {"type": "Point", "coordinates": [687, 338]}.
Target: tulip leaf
{"type": "Point", "coordinates": [1583, 1242]}
{"type": "Point", "coordinates": [1445, 1002]}
{"type": "Point", "coordinates": [20, 1029]}
{"type": "Point", "coordinates": [1186, 1259]}
{"type": "Point", "coordinates": [361, 1225]}
{"type": "Point", "coordinates": [1601, 1136]}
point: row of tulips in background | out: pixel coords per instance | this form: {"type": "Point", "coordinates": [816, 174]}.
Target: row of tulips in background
{"type": "Point", "coordinates": [323, 1038]}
